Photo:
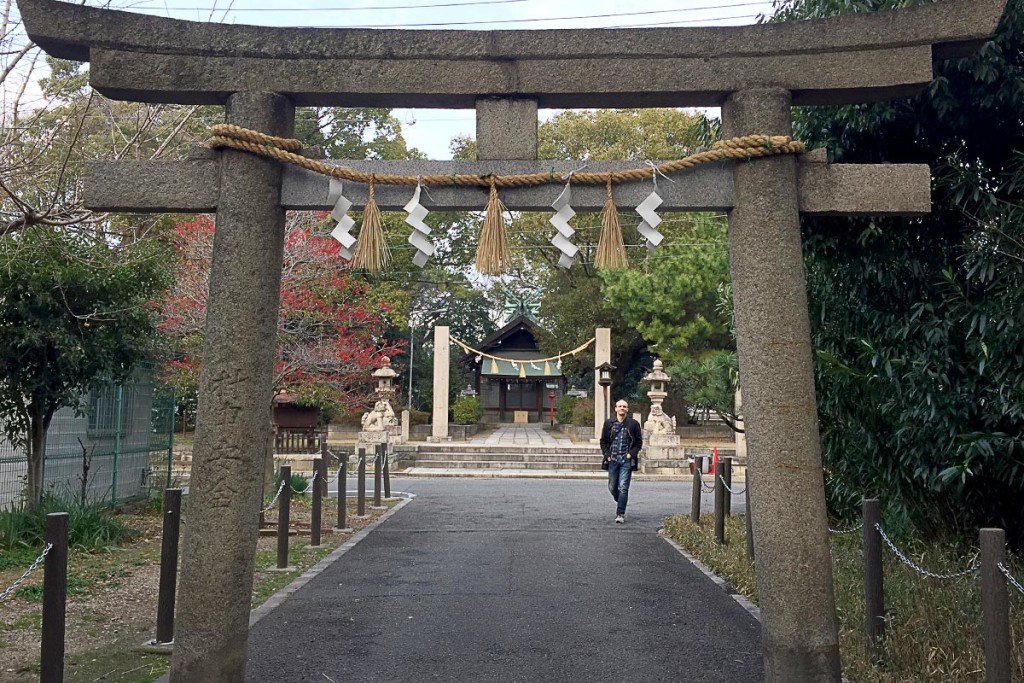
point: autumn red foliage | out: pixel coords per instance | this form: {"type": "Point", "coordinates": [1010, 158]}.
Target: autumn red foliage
{"type": "Point", "coordinates": [330, 332]}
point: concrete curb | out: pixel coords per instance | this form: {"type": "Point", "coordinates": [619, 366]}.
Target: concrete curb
{"type": "Point", "coordinates": [743, 601]}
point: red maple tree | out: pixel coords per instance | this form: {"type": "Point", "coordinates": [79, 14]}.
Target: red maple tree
{"type": "Point", "coordinates": [330, 330]}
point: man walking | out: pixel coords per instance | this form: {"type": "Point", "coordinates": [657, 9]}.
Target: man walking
{"type": "Point", "coordinates": [621, 439]}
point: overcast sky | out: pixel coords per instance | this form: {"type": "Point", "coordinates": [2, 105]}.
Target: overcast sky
{"type": "Point", "coordinates": [431, 130]}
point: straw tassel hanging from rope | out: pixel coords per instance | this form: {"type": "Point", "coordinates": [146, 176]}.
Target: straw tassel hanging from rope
{"type": "Point", "coordinates": [492, 255]}
{"type": "Point", "coordinates": [611, 252]}
{"type": "Point", "coordinates": [372, 253]}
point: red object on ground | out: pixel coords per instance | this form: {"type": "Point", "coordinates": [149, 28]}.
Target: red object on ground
{"type": "Point", "coordinates": [714, 461]}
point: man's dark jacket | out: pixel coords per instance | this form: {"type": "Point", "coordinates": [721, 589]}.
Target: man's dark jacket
{"type": "Point", "coordinates": [634, 440]}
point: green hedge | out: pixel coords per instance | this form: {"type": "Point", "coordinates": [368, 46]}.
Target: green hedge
{"type": "Point", "coordinates": [467, 410]}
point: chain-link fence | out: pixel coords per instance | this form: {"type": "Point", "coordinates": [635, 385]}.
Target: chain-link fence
{"type": "Point", "coordinates": [116, 447]}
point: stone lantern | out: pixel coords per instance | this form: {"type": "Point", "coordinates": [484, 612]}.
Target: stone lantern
{"type": "Point", "coordinates": [381, 422]}
{"type": "Point", "coordinates": [661, 443]}
{"type": "Point", "coordinates": [385, 376]}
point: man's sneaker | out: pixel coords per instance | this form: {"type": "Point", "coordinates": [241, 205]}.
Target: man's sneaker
{"type": "Point", "coordinates": [620, 519]}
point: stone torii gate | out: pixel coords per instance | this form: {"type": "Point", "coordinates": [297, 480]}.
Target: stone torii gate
{"type": "Point", "coordinates": [755, 73]}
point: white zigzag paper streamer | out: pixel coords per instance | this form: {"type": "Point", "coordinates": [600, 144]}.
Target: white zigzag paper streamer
{"type": "Point", "coordinates": [648, 226]}
{"type": "Point", "coordinates": [419, 237]}
{"type": "Point", "coordinates": [342, 230]}
{"type": "Point", "coordinates": [563, 214]}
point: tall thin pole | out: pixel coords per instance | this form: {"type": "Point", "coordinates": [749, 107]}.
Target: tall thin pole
{"type": "Point", "coordinates": [168, 566]}
{"type": "Point", "coordinates": [874, 582]}
{"type": "Point", "coordinates": [995, 608]}
{"type": "Point", "coordinates": [55, 577]}
{"type": "Point", "coordinates": [412, 354]}
{"type": "Point", "coordinates": [117, 444]}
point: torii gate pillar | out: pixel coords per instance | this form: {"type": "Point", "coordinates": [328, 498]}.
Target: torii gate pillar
{"type": "Point", "coordinates": [773, 339]}
{"type": "Point", "coordinates": [234, 415]}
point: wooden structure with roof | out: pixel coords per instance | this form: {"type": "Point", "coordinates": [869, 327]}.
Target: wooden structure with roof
{"type": "Point", "coordinates": [508, 386]}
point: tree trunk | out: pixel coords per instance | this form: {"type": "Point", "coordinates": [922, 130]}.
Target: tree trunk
{"type": "Point", "coordinates": [38, 422]}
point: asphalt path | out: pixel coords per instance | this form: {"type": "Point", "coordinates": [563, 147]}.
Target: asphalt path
{"type": "Point", "coordinates": [509, 580]}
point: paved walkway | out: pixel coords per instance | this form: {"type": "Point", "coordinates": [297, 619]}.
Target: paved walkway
{"type": "Point", "coordinates": [505, 580]}
{"type": "Point", "coordinates": [520, 435]}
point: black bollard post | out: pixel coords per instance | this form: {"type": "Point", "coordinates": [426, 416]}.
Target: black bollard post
{"type": "Point", "coordinates": [995, 607]}
{"type": "Point", "coordinates": [749, 519]}
{"type": "Point", "coordinates": [317, 512]}
{"type": "Point", "coordinates": [284, 504]}
{"type": "Point", "coordinates": [168, 567]}
{"type": "Point", "coordinates": [727, 473]}
{"type": "Point", "coordinates": [874, 592]}
{"type": "Point", "coordinates": [697, 489]}
{"type": "Point", "coordinates": [378, 465]}
{"type": "Point", "coordinates": [55, 584]}
{"type": "Point", "coordinates": [387, 475]}
{"type": "Point", "coordinates": [361, 499]}
{"type": "Point", "coordinates": [342, 524]}
{"type": "Point", "coordinates": [719, 506]}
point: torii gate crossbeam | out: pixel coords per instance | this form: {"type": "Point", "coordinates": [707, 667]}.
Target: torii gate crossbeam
{"type": "Point", "coordinates": [755, 73]}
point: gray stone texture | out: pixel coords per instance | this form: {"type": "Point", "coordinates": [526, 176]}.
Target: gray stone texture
{"type": "Point", "coordinates": [67, 30]}
{"type": "Point", "coordinates": [153, 186]}
{"type": "Point", "coordinates": [864, 189]}
{"type": "Point", "coordinates": [506, 129]}
{"type": "Point", "coordinates": [442, 368]}
{"type": "Point", "coordinates": [848, 59]}
{"type": "Point", "coordinates": [655, 81]}
{"type": "Point", "coordinates": [846, 189]}
{"type": "Point", "coordinates": [234, 406]}
{"type": "Point", "coordinates": [794, 570]}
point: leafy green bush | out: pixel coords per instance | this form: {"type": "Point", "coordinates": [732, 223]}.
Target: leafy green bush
{"type": "Point", "coordinates": [583, 412]}
{"type": "Point", "coordinates": [92, 527]}
{"type": "Point", "coordinates": [564, 407]}
{"type": "Point", "coordinates": [419, 417]}
{"type": "Point", "coordinates": [467, 410]}
{"type": "Point", "coordinates": [916, 324]}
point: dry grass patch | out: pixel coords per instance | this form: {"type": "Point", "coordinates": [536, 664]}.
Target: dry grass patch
{"type": "Point", "coordinates": [112, 598]}
{"type": "Point", "coordinates": [933, 629]}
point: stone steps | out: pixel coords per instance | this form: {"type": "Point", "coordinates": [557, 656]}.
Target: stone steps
{"type": "Point", "coordinates": [442, 449]}
{"type": "Point", "coordinates": [593, 466]}
{"type": "Point", "coordinates": [505, 456]}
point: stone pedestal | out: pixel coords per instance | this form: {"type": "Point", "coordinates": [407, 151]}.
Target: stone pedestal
{"type": "Point", "coordinates": [405, 426]}
{"type": "Point", "coordinates": [370, 439]}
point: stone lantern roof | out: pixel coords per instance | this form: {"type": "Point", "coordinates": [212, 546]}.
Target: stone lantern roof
{"type": "Point", "coordinates": [385, 371]}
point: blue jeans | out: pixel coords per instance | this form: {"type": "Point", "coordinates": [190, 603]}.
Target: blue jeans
{"type": "Point", "coordinates": [619, 476]}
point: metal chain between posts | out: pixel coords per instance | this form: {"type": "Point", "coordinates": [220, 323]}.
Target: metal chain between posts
{"type": "Point", "coordinates": [1009, 576]}
{"type": "Point", "coordinates": [735, 493]}
{"type": "Point", "coordinates": [278, 495]}
{"type": "Point", "coordinates": [847, 531]}
{"type": "Point", "coordinates": [707, 487]}
{"type": "Point", "coordinates": [32, 568]}
{"type": "Point", "coordinates": [919, 570]}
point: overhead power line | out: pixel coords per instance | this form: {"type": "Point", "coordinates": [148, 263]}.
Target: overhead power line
{"type": "Point", "coordinates": [536, 19]}
{"type": "Point", "coordinates": [369, 8]}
